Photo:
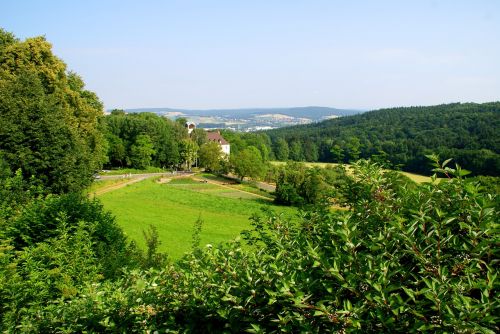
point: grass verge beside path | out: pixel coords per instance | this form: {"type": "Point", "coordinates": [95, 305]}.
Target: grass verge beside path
{"type": "Point", "coordinates": [174, 207]}
{"type": "Point", "coordinates": [414, 177]}
{"type": "Point", "coordinates": [133, 171]}
{"type": "Point", "coordinates": [235, 184]}
{"type": "Point", "coordinates": [98, 185]}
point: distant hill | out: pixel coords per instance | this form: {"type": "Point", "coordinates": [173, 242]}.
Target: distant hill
{"type": "Point", "coordinates": [314, 113]}
{"type": "Point", "coordinates": [251, 119]}
{"type": "Point", "coordinates": [467, 132]}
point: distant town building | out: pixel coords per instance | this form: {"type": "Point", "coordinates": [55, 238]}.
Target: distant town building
{"type": "Point", "coordinates": [217, 137]}
{"type": "Point", "coordinates": [190, 126]}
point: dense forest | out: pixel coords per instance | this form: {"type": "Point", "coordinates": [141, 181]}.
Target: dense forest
{"type": "Point", "coordinates": [398, 138]}
{"type": "Point", "coordinates": [401, 137]}
{"type": "Point", "coordinates": [398, 256]}
{"type": "Point", "coordinates": [142, 140]}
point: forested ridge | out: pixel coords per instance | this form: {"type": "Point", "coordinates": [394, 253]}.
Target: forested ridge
{"type": "Point", "coordinates": [468, 132]}
{"type": "Point", "coordinates": [398, 256]}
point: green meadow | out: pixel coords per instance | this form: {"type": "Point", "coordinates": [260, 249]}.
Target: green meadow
{"type": "Point", "coordinates": [415, 177]}
{"type": "Point", "coordinates": [175, 206]}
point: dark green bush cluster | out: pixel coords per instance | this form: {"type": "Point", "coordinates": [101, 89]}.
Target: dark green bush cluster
{"type": "Point", "coordinates": [403, 258]}
{"type": "Point", "coordinates": [297, 184]}
{"type": "Point", "coordinates": [51, 248]}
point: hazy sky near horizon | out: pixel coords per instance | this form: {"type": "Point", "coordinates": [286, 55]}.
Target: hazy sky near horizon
{"type": "Point", "coordinates": [272, 53]}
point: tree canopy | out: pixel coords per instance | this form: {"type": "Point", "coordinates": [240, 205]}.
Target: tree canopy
{"type": "Point", "coordinates": [48, 121]}
{"type": "Point", "coordinates": [401, 137]}
{"type": "Point", "coordinates": [129, 135]}
{"type": "Point", "coordinates": [210, 154]}
{"type": "Point", "coordinates": [248, 163]}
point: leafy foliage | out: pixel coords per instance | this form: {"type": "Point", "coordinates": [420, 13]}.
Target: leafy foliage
{"type": "Point", "coordinates": [298, 185]}
{"type": "Point", "coordinates": [143, 139]}
{"type": "Point", "coordinates": [189, 152]}
{"type": "Point", "coordinates": [141, 152]}
{"type": "Point", "coordinates": [248, 162]}
{"type": "Point", "coordinates": [242, 140]}
{"type": "Point", "coordinates": [43, 219]}
{"type": "Point", "coordinates": [210, 154]}
{"type": "Point", "coordinates": [403, 258]}
{"type": "Point", "coordinates": [401, 137]}
{"type": "Point", "coordinates": [48, 122]}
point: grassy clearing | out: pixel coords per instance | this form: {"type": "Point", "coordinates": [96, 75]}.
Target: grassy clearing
{"type": "Point", "coordinates": [183, 180]}
{"type": "Point", "coordinates": [100, 184]}
{"type": "Point", "coordinates": [253, 190]}
{"type": "Point", "coordinates": [217, 178]}
{"type": "Point", "coordinates": [308, 164]}
{"type": "Point", "coordinates": [244, 186]}
{"type": "Point", "coordinates": [134, 171]}
{"type": "Point", "coordinates": [414, 177]}
{"type": "Point", "coordinates": [174, 207]}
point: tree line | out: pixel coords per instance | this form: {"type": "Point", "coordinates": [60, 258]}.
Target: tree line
{"type": "Point", "coordinates": [400, 137]}
{"type": "Point", "coordinates": [141, 140]}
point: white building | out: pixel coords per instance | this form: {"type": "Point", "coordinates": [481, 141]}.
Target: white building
{"type": "Point", "coordinates": [190, 126]}
{"type": "Point", "coordinates": [217, 137]}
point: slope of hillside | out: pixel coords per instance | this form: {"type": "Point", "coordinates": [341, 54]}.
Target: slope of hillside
{"type": "Point", "coordinates": [403, 136]}
{"type": "Point", "coordinates": [251, 119]}
{"type": "Point", "coordinates": [314, 113]}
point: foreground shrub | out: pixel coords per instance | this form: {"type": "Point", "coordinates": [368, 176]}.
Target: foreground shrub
{"type": "Point", "coordinates": [402, 258]}
{"type": "Point", "coordinates": [43, 219]}
{"type": "Point", "coordinates": [55, 269]}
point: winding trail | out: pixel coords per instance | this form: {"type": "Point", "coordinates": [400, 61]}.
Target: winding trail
{"type": "Point", "coordinates": [116, 186]}
{"type": "Point", "coordinates": [133, 178]}
{"type": "Point", "coordinates": [222, 185]}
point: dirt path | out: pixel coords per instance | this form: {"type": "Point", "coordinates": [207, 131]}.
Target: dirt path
{"type": "Point", "coordinates": [222, 185]}
{"type": "Point", "coordinates": [137, 178]}
{"type": "Point", "coordinates": [117, 186]}
{"type": "Point", "coordinates": [261, 185]}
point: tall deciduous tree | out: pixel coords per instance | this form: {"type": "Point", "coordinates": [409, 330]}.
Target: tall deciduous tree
{"type": "Point", "coordinates": [281, 149]}
{"type": "Point", "coordinates": [141, 152]}
{"type": "Point", "coordinates": [210, 156]}
{"type": "Point", "coordinates": [248, 163]}
{"type": "Point", "coordinates": [188, 152]}
{"type": "Point", "coordinates": [48, 121]}
{"type": "Point", "coordinates": [296, 152]}
{"type": "Point", "coordinates": [199, 136]}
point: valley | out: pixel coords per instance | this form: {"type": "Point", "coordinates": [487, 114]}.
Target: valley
{"type": "Point", "coordinates": [252, 119]}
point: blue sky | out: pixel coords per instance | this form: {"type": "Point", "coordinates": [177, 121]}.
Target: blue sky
{"type": "Point", "coordinates": [271, 53]}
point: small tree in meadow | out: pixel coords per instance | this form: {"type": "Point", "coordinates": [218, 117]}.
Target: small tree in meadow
{"type": "Point", "coordinates": [210, 156]}
{"type": "Point", "coordinates": [248, 163]}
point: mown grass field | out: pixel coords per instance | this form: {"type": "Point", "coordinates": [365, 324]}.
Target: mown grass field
{"type": "Point", "coordinates": [132, 171]}
{"type": "Point", "coordinates": [100, 184]}
{"type": "Point", "coordinates": [415, 177]}
{"type": "Point", "coordinates": [173, 207]}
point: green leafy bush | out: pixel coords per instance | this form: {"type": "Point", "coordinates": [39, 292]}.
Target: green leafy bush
{"type": "Point", "coordinates": [55, 269]}
{"type": "Point", "coordinates": [43, 218]}
{"type": "Point", "coordinates": [297, 184]}
{"type": "Point", "coordinates": [402, 258]}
